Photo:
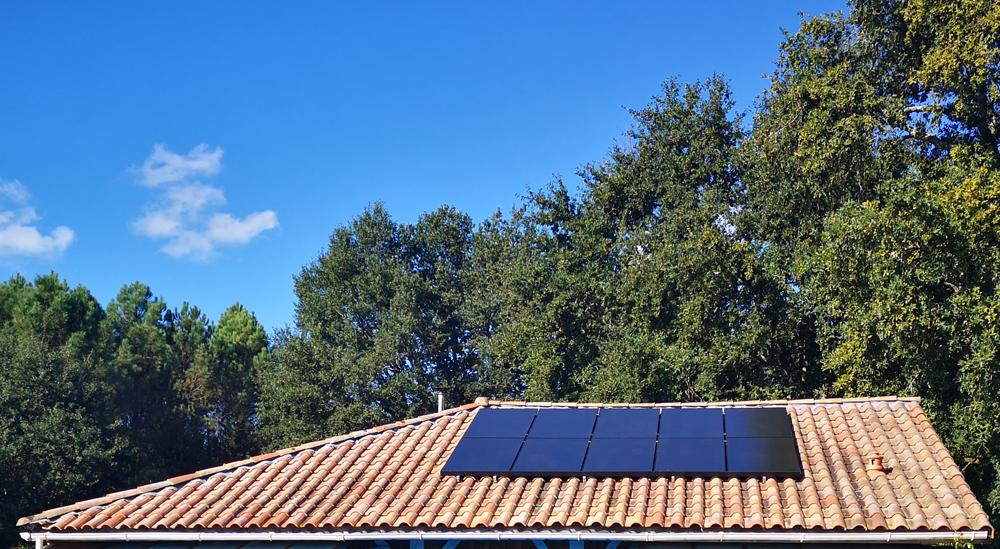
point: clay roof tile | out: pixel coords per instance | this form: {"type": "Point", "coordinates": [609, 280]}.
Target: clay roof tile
{"type": "Point", "coordinates": [390, 476]}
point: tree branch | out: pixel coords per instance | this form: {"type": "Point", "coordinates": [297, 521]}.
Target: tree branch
{"type": "Point", "coordinates": [920, 135]}
{"type": "Point", "coordinates": [983, 124]}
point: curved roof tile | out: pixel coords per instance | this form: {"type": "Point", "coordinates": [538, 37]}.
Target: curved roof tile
{"type": "Point", "coordinates": [390, 476]}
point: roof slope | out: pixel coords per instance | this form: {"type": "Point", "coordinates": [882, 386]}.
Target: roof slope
{"type": "Point", "coordinates": [388, 477]}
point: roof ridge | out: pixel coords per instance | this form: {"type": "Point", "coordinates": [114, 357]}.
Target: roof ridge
{"type": "Point", "coordinates": [773, 402]}
{"type": "Point", "coordinates": [252, 460]}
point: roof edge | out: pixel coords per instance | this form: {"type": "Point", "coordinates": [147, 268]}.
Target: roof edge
{"type": "Point", "coordinates": [479, 402]}
{"type": "Point", "coordinates": [575, 534]}
{"type": "Point", "coordinates": [774, 402]}
{"type": "Point", "coordinates": [153, 487]}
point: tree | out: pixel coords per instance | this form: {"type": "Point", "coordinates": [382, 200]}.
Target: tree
{"type": "Point", "coordinates": [944, 59]}
{"type": "Point", "coordinates": [183, 388]}
{"type": "Point", "coordinates": [218, 389]}
{"type": "Point", "coordinates": [145, 369]}
{"type": "Point", "coordinates": [378, 329]}
{"type": "Point", "coordinates": [57, 438]}
{"type": "Point", "coordinates": [871, 175]}
{"type": "Point", "coordinates": [91, 401]}
{"type": "Point", "coordinates": [639, 289]}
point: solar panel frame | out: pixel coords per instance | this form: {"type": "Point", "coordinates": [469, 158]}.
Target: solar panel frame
{"type": "Point", "coordinates": [605, 453]}
{"type": "Point", "coordinates": [627, 423]}
{"type": "Point", "coordinates": [758, 423]}
{"type": "Point", "coordinates": [551, 457]}
{"type": "Point", "coordinates": [483, 456]}
{"type": "Point", "coordinates": [690, 456]}
{"type": "Point", "coordinates": [563, 423]}
{"type": "Point", "coordinates": [763, 456]}
{"type": "Point", "coordinates": [501, 423]}
{"type": "Point", "coordinates": [691, 423]}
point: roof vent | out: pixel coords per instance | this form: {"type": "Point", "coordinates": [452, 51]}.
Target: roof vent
{"type": "Point", "coordinates": [873, 464]}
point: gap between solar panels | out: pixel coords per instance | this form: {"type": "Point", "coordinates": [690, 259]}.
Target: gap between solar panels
{"type": "Point", "coordinates": [632, 442]}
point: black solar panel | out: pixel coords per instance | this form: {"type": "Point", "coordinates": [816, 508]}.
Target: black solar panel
{"type": "Point", "coordinates": [690, 456]}
{"type": "Point", "coordinates": [563, 424]}
{"type": "Point", "coordinates": [691, 423]}
{"type": "Point", "coordinates": [620, 456]}
{"type": "Point", "coordinates": [623, 442]}
{"type": "Point", "coordinates": [551, 456]}
{"type": "Point", "coordinates": [758, 422]}
{"type": "Point", "coordinates": [501, 423]}
{"type": "Point", "coordinates": [760, 456]}
{"type": "Point", "coordinates": [482, 456]}
{"type": "Point", "coordinates": [627, 423]}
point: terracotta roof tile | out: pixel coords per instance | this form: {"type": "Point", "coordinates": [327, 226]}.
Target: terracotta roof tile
{"type": "Point", "coordinates": [389, 477]}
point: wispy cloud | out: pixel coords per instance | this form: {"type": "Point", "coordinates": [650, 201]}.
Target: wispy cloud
{"type": "Point", "coordinates": [164, 166]}
{"type": "Point", "coordinates": [14, 191]}
{"type": "Point", "coordinates": [17, 235]}
{"type": "Point", "coordinates": [186, 213]}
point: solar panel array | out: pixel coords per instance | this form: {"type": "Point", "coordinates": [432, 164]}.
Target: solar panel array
{"type": "Point", "coordinates": [617, 442]}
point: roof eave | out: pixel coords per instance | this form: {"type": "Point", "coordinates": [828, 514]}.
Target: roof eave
{"type": "Point", "coordinates": [571, 534]}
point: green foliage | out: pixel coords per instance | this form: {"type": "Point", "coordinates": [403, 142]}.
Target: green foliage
{"type": "Point", "coordinates": [231, 394]}
{"type": "Point", "coordinates": [905, 289]}
{"type": "Point", "coordinates": [639, 289]}
{"type": "Point", "coordinates": [93, 401]}
{"type": "Point", "coordinates": [872, 178]}
{"type": "Point", "coordinates": [144, 369]}
{"type": "Point", "coordinates": [379, 328]}
{"type": "Point", "coordinates": [56, 434]}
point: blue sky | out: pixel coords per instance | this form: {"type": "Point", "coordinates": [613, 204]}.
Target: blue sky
{"type": "Point", "coordinates": [209, 149]}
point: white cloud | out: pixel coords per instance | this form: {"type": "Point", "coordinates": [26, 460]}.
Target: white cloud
{"type": "Point", "coordinates": [158, 224]}
{"type": "Point", "coordinates": [22, 240]}
{"type": "Point", "coordinates": [185, 213]}
{"type": "Point", "coordinates": [15, 191]}
{"type": "Point", "coordinates": [17, 237]}
{"type": "Point", "coordinates": [224, 229]}
{"type": "Point", "coordinates": [195, 197]}
{"type": "Point", "coordinates": [164, 166]}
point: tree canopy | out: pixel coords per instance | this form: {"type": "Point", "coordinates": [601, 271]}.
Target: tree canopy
{"type": "Point", "coordinates": [93, 400]}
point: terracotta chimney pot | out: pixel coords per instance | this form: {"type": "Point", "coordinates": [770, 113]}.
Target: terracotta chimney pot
{"type": "Point", "coordinates": [873, 463]}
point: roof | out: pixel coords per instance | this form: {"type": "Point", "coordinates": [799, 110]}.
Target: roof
{"type": "Point", "coordinates": [389, 478]}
